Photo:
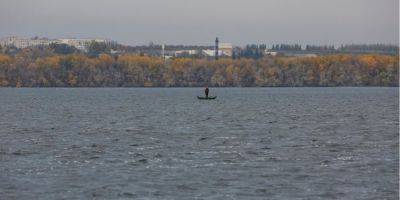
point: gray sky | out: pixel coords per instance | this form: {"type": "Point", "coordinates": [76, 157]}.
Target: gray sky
{"type": "Point", "coordinates": [199, 21]}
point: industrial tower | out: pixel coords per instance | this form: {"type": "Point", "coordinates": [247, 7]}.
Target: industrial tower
{"type": "Point", "coordinates": [216, 48]}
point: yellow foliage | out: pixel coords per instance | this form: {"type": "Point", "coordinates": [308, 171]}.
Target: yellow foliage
{"type": "Point", "coordinates": [133, 70]}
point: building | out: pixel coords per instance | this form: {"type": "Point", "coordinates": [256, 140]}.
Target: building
{"type": "Point", "coordinates": [270, 53]}
{"type": "Point", "coordinates": [220, 49]}
{"type": "Point", "coordinates": [185, 53]}
{"type": "Point", "coordinates": [81, 44]}
{"type": "Point", "coordinates": [24, 42]}
{"type": "Point", "coordinates": [226, 49]}
{"type": "Point", "coordinates": [212, 53]}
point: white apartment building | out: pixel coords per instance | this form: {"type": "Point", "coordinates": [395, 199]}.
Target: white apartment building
{"type": "Point", "coordinates": [81, 44]}
{"type": "Point", "coordinates": [24, 42]}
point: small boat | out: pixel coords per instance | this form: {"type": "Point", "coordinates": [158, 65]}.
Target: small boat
{"type": "Point", "coordinates": [207, 98]}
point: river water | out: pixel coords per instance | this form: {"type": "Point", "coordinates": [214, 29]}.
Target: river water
{"type": "Point", "coordinates": [163, 143]}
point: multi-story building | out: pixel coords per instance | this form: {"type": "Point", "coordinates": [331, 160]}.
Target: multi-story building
{"type": "Point", "coordinates": [24, 42]}
{"type": "Point", "coordinates": [81, 44]}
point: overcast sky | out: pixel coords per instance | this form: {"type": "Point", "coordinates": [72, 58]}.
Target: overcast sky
{"type": "Point", "coordinates": [200, 21]}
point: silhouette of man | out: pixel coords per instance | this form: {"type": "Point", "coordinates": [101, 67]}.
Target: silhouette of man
{"type": "Point", "coordinates": [206, 92]}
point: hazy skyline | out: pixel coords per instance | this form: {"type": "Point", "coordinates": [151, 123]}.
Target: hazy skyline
{"type": "Point", "coordinates": [199, 22]}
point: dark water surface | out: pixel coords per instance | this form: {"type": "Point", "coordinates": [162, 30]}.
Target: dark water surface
{"type": "Point", "coordinates": [250, 143]}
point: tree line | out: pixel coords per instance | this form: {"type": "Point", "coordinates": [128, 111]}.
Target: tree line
{"type": "Point", "coordinates": [351, 48]}
{"type": "Point", "coordinates": [371, 48]}
{"type": "Point", "coordinates": [286, 47]}
{"type": "Point", "coordinates": [48, 68]}
{"type": "Point", "coordinates": [322, 48]}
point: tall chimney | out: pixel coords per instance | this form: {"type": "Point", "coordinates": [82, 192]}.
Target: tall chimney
{"type": "Point", "coordinates": [216, 48]}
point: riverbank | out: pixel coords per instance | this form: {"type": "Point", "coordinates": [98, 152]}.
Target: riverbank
{"type": "Point", "coordinates": [77, 70]}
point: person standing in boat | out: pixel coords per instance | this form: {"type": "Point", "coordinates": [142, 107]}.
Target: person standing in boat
{"type": "Point", "coordinates": [206, 92]}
